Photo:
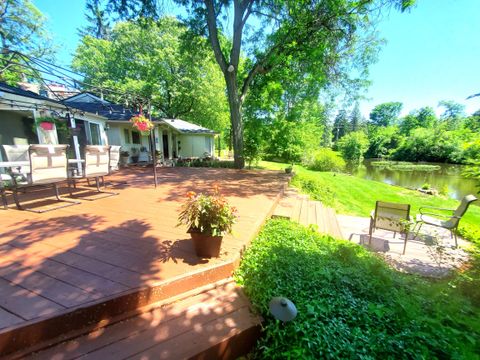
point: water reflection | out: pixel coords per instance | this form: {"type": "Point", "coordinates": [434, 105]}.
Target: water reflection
{"type": "Point", "coordinates": [448, 175]}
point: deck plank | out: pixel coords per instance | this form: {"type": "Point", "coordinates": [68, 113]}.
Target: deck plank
{"type": "Point", "coordinates": [24, 303]}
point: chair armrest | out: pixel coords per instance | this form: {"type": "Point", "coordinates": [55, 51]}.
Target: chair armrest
{"type": "Point", "coordinates": [433, 208]}
{"type": "Point", "coordinates": [438, 215]}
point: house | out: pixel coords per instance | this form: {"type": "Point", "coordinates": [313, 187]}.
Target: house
{"type": "Point", "coordinates": [21, 112]}
{"type": "Point", "coordinates": [173, 138]}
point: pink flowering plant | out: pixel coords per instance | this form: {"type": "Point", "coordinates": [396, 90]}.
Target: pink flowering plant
{"type": "Point", "coordinates": [142, 124]}
{"type": "Point", "coordinates": [207, 214]}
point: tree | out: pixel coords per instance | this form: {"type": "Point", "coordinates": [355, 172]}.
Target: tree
{"type": "Point", "coordinates": [453, 114]}
{"type": "Point", "coordinates": [99, 24]}
{"type": "Point", "coordinates": [422, 118]}
{"type": "Point", "coordinates": [355, 118]}
{"type": "Point", "coordinates": [22, 28]}
{"type": "Point", "coordinates": [386, 114]}
{"type": "Point", "coordinates": [154, 60]}
{"type": "Point", "coordinates": [340, 125]}
{"type": "Point", "coordinates": [317, 37]}
{"type": "Point", "coordinates": [353, 146]}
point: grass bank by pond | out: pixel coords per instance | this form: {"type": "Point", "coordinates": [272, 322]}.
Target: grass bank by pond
{"type": "Point", "coordinates": [350, 303]}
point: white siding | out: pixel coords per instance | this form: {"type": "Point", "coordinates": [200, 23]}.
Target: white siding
{"type": "Point", "coordinates": [196, 145]}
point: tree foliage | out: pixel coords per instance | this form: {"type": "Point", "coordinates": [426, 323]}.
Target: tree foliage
{"type": "Point", "coordinates": [353, 146]}
{"type": "Point", "coordinates": [98, 22]}
{"type": "Point", "coordinates": [22, 29]}
{"type": "Point", "coordinates": [155, 60]}
{"type": "Point", "coordinates": [386, 114]}
{"type": "Point", "coordinates": [319, 38]}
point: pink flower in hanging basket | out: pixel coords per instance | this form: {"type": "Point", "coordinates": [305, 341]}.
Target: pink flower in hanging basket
{"type": "Point", "coordinates": [142, 124]}
{"type": "Point", "coordinates": [46, 125]}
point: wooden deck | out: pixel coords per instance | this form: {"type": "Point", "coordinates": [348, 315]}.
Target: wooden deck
{"type": "Point", "coordinates": [80, 265]}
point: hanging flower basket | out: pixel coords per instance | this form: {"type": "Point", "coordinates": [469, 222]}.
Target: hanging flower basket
{"type": "Point", "coordinates": [46, 125]}
{"type": "Point", "coordinates": [142, 124]}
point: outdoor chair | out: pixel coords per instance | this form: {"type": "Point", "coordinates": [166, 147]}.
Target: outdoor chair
{"type": "Point", "coordinates": [48, 167]}
{"type": "Point", "coordinates": [392, 217]}
{"type": "Point", "coordinates": [429, 216]}
{"type": "Point", "coordinates": [17, 153]}
{"type": "Point", "coordinates": [97, 166]}
{"type": "Point", "coordinates": [115, 163]}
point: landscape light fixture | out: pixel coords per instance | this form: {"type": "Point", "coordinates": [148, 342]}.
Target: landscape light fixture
{"type": "Point", "coordinates": [283, 309]}
{"type": "Point", "coordinates": [230, 68]}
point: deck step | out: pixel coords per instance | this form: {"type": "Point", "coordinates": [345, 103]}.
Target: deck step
{"type": "Point", "coordinates": [300, 208]}
{"type": "Point", "coordinates": [214, 324]}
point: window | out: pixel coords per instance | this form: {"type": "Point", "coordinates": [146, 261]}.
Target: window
{"type": "Point", "coordinates": [208, 144]}
{"type": "Point", "coordinates": [126, 135]}
{"type": "Point", "coordinates": [96, 138]}
{"type": "Point", "coordinates": [135, 137]}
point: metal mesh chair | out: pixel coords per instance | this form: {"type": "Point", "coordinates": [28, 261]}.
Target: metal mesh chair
{"type": "Point", "coordinates": [48, 166]}
{"type": "Point", "coordinates": [97, 165]}
{"type": "Point", "coordinates": [17, 153]}
{"type": "Point", "coordinates": [390, 216]}
{"type": "Point", "coordinates": [438, 216]}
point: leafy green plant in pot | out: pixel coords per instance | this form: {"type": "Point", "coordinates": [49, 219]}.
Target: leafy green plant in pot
{"type": "Point", "coordinates": [208, 218]}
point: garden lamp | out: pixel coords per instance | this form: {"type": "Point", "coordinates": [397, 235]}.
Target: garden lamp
{"type": "Point", "coordinates": [283, 309]}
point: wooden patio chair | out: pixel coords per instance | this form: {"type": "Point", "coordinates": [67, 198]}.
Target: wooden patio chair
{"type": "Point", "coordinates": [444, 218]}
{"type": "Point", "coordinates": [48, 167]}
{"type": "Point", "coordinates": [115, 163]}
{"type": "Point", "coordinates": [97, 166]}
{"type": "Point", "coordinates": [390, 216]}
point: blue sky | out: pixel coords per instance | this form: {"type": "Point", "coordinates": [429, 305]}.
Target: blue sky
{"type": "Point", "coordinates": [432, 53]}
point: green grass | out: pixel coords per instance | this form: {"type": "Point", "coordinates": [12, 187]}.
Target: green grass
{"type": "Point", "coordinates": [351, 305]}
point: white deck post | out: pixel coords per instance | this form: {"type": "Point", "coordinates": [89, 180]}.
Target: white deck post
{"type": "Point", "coordinates": [170, 145]}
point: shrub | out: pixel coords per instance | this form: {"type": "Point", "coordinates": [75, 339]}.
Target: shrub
{"type": "Point", "coordinates": [353, 146]}
{"type": "Point", "coordinates": [351, 305]}
{"type": "Point", "coordinates": [325, 159]}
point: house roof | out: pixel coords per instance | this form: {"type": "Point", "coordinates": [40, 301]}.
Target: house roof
{"type": "Point", "coordinates": [111, 112]}
{"type": "Point", "coordinates": [186, 127]}
{"type": "Point", "coordinates": [19, 91]}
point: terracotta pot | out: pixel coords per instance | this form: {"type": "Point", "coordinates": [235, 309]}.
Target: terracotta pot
{"type": "Point", "coordinates": [46, 125]}
{"type": "Point", "coordinates": [206, 245]}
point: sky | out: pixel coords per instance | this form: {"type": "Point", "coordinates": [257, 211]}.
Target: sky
{"type": "Point", "coordinates": [432, 53]}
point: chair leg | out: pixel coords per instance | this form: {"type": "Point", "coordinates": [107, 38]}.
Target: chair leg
{"type": "Point", "coordinates": [419, 227]}
{"type": "Point", "coordinates": [97, 183]}
{"type": "Point", "coordinates": [370, 232]}
{"type": "Point", "coordinates": [4, 198]}
{"type": "Point", "coordinates": [405, 244]}
{"type": "Point", "coordinates": [394, 234]}
{"type": "Point", "coordinates": [15, 198]}
{"type": "Point", "coordinates": [454, 232]}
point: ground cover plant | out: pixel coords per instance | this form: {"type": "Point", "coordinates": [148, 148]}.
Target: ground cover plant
{"type": "Point", "coordinates": [350, 303]}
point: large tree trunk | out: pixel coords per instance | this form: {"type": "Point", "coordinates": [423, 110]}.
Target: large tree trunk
{"type": "Point", "coordinates": [235, 106]}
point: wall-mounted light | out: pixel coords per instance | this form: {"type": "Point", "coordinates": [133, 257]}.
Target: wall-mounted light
{"type": "Point", "coordinates": [106, 127]}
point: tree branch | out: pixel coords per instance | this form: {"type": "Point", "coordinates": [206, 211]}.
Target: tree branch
{"type": "Point", "coordinates": [213, 35]}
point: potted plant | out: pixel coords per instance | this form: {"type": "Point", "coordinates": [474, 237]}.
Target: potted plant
{"type": "Point", "coordinates": [142, 124]}
{"type": "Point", "coordinates": [124, 155]}
{"type": "Point", "coordinates": [208, 218]}
{"type": "Point", "coordinates": [289, 169]}
{"type": "Point", "coordinates": [45, 122]}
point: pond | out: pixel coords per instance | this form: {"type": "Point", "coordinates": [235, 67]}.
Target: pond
{"type": "Point", "coordinates": [446, 175]}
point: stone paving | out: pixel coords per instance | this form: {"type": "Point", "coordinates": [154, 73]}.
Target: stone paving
{"type": "Point", "coordinates": [432, 254]}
